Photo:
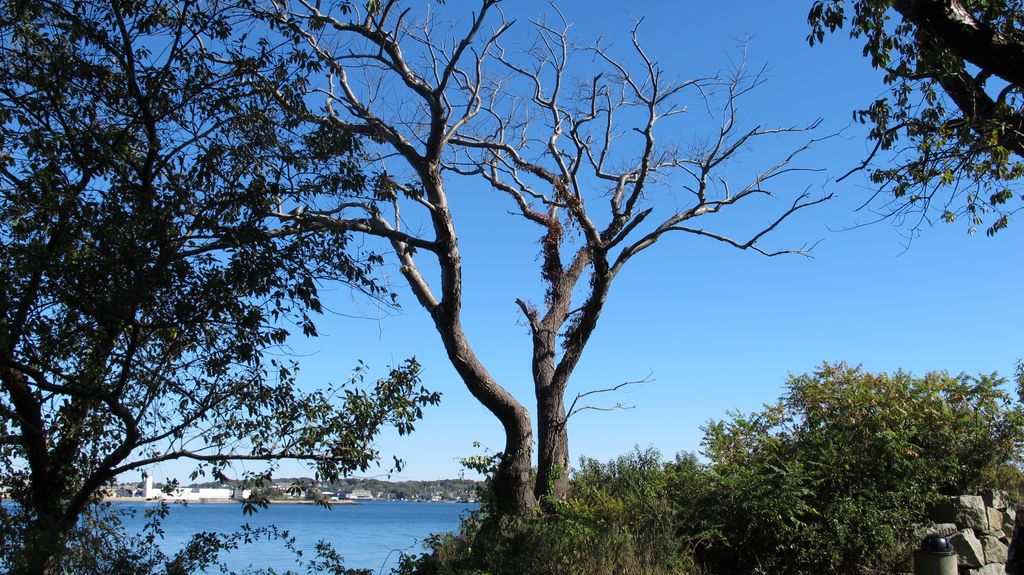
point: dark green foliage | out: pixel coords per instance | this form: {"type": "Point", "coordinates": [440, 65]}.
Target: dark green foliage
{"type": "Point", "coordinates": [953, 117]}
{"type": "Point", "coordinates": [143, 275]}
{"type": "Point", "coordinates": [834, 477]}
{"type": "Point", "coordinates": [618, 518]}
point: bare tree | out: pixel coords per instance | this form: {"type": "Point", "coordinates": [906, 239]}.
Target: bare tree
{"type": "Point", "coordinates": [577, 157]}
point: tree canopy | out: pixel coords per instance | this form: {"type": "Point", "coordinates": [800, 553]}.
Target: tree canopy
{"type": "Point", "coordinates": [953, 120]}
{"type": "Point", "coordinates": [142, 280]}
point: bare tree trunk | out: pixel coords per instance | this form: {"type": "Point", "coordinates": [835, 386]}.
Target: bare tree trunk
{"type": "Point", "coordinates": [553, 445]}
{"type": "Point", "coordinates": [511, 481]}
{"type": "Point", "coordinates": [463, 123]}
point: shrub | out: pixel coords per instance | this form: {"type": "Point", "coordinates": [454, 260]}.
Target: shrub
{"type": "Point", "coordinates": [617, 519]}
{"type": "Point", "coordinates": [833, 477]}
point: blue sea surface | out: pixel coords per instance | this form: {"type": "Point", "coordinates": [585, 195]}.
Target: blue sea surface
{"type": "Point", "coordinates": [369, 535]}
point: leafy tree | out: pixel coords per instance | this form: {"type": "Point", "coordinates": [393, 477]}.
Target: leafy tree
{"type": "Point", "coordinates": [584, 166]}
{"type": "Point", "coordinates": [141, 277]}
{"type": "Point", "coordinates": [835, 476]}
{"type": "Point", "coordinates": [953, 120]}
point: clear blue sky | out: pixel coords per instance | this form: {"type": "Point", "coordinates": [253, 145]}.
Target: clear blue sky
{"type": "Point", "coordinates": [718, 329]}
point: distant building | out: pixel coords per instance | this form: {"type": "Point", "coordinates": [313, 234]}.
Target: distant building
{"type": "Point", "coordinates": [190, 493]}
{"type": "Point", "coordinates": [359, 494]}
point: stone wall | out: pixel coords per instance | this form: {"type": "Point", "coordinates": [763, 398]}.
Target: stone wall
{"type": "Point", "coordinates": [979, 527]}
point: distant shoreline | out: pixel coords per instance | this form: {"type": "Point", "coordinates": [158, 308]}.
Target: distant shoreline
{"type": "Point", "coordinates": [271, 502]}
{"type": "Point", "coordinates": [203, 501]}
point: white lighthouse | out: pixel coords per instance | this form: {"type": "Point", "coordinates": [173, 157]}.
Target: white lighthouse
{"type": "Point", "coordinates": [147, 487]}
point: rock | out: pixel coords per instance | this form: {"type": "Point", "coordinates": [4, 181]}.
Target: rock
{"type": "Point", "coordinates": [943, 529]}
{"type": "Point", "coordinates": [1015, 557]}
{"type": "Point", "coordinates": [1007, 529]}
{"type": "Point", "coordinates": [995, 519]}
{"type": "Point", "coordinates": [970, 512]}
{"type": "Point", "coordinates": [1011, 513]}
{"type": "Point", "coordinates": [991, 569]}
{"type": "Point", "coordinates": [969, 551]}
{"type": "Point", "coordinates": [995, 498]}
{"type": "Point", "coordinates": [995, 550]}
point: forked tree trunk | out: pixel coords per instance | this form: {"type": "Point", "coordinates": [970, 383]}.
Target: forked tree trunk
{"type": "Point", "coordinates": [551, 375]}
{"type": "Point", "coordinates": [511, 481]}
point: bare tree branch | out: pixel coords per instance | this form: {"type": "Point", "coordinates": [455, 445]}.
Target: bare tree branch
{"type": "Point", "coordinates": [589, 160]}
{"type": "Point", "coordinates": [573, 410]}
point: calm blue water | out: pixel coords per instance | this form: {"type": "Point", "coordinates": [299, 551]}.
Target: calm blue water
{"type": "Point", "coordinates": [370, 535]}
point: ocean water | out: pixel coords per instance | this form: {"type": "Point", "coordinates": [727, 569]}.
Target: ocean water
{"type": "Point", "coordinates": [369, 535]}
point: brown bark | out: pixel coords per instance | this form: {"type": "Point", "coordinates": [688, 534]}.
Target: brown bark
{"type": "Point", "coordinates": [551, 377]}
{"type": "Point", "coordinates": [553, 445]}
{"type": "Point", "coordinates": [511, 480]}
{"type": "Point", "coordinates": [549, 389]}
{"type": "Point", "coordinates": [977, 42]}
{"type": "Point", "coordinates": [553, 438]}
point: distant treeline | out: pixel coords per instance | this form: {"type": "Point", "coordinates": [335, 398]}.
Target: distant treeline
{"type": "Point", "coordinates": [445, 488]}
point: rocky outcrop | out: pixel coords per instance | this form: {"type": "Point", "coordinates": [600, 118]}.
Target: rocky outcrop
{"type": "Point", "coordinates": [978, 526]}
{"type": "Point", "coordinates": [995, 550]}
{"type": "Point", "coordinates": [990, 569]}
{"type": "Point", "coordinates": [968, 548]}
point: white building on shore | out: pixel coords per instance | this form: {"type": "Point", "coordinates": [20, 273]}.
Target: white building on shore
{"type": "Point", "coordinates": [190, 493]}
{"type": "Point", "coordinates": [359, 494]}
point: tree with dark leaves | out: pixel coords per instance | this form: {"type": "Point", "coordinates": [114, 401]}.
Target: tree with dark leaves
{"type": "Point", "coordinates": [954, 118]}
{"type": "Point", "coordinates": [142, 280]}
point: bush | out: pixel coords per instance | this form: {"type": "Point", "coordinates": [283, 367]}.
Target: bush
{"type": "Point", "coordinates": [833, 478]}
{"type": "Point", "coordinates": [617, 519]}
